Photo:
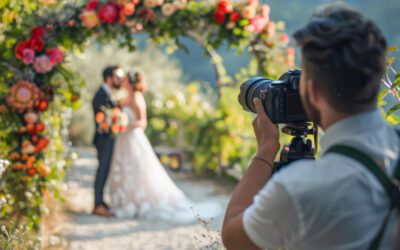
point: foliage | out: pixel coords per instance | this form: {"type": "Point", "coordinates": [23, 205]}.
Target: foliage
{"type": "Point", "coordinates": [36, 90]}
{"type": "Point", "coordinates": [390, 94]}
{"type": "Point", "coordinates": [213, 132]}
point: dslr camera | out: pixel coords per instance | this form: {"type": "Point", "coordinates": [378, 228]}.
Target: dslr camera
{"type": "Point", "coordinates": [282, 103]}
{"type": "Point", "coordinates": [280, 98]}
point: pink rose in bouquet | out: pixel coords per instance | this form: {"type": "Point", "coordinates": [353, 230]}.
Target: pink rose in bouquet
{"type": "Point", "coordinates": [42, 64]}
{"type": "Point", "coordinates": [28, 56]}
{"type": "Point", "coordinates": [108, 13]}
{"type": "Point", "coordinates": [56, 56]}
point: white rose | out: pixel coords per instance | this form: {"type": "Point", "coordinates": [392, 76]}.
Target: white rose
{"type": "Point", "coordinates": [150, 3]}
{"type": "Point", "coordinates": [168, 9]}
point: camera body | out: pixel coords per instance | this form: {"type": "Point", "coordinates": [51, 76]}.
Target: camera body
{"type": "Point", "coordinates": [280, 98]}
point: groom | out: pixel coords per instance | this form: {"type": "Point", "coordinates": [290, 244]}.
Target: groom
{"type": "Point", "coordinates": [112, 76]}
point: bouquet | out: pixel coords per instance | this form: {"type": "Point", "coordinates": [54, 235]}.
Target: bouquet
{"type": "Point", "coordinates": [111, 121]}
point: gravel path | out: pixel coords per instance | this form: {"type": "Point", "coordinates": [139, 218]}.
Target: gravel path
{"type": "Point", "coordinates": [85, 231]}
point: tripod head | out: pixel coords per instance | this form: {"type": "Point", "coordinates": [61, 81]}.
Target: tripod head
{"type": "Point", "coordinates": [300, 147]}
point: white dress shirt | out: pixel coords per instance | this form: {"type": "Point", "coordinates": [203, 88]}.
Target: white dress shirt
{"type": "Point", "coordinates": [333, 203]}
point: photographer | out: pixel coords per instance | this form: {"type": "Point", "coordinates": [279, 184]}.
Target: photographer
{"type": "Point", "coordinates": [334, 202]}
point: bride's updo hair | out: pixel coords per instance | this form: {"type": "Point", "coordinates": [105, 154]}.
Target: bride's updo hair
{"type": "Point", "coordinates": [136, 81]}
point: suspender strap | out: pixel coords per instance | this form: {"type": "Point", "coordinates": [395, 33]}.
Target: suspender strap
{"type": "Point", "coordinates": [391, 186]}
{"type": "Point", "coordinates": [366, 161]}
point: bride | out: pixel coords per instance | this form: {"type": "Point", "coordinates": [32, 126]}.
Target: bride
{"type": "Point", "coordinates": [138, 184]}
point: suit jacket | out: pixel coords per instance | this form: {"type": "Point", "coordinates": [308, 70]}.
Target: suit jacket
{"type": "Point", "coordinates": [101, 99]}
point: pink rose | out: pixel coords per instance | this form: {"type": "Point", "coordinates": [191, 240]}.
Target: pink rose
{"type": "Point", "coordinates": [28, 56]}
{"type": "Point", "coordinates": [259, 23]}
{"type": "Point", "coordinates": [265, 10]}
{"type": "Point", "coordinates": [284, 38]}
{"type": "Point", "coordinates": [249, 12]}
{"type": "Point", "coordinates": [56, 56]}
{"type": "Point", "coordinates": [108, 13]}
{"type": "Point", "coordinates": [42, 64]}
{"type": "Point", "coordinates": [271, 28]}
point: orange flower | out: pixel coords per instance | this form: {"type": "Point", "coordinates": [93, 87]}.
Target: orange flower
{"type": "Point", "coordinates": [18, 166]}
{"type": "Point", "coordinates": [44, 170]}
{"type": "Point", "coordinates": [24, 95]}
{"type": "Point", "coordinates": [30, 127]}
{"type": "Point", "coordinates": [31, 171]}
{"type": "Point", "coordinates": [104, 125]}
{"type": "Point", "coordinates": [116, 111]}
{"type": "Point", "coordinates": [30, 161]}
{"type": "Point", "coordinates": [14, 156]}
{"type": "Point", "coordinates": [89, 19]}
{"type": "Point", "coordinates": [42, 144]}
{"type": "Point", "coordinates": [100, 117]}
{"type": "Point", "coordinates": [115, 128]}
{"type": "Point", "coordinates": [40, 127]}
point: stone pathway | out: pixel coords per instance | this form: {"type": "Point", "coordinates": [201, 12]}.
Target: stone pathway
{"type": "Point", "coordinates": [85, 231]}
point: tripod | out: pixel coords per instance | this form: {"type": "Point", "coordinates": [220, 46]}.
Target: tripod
{"type": "Point", "coordinates": [300, 147]}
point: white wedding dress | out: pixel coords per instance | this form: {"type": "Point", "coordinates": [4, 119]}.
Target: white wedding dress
{"type": "Point", "coordinates": [139, 186]}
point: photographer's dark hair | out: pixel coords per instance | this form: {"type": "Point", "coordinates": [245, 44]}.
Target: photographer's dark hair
{"type": "Point", "coordinates": [137, 81]}
{"type": "Point", "coordinates": [344, 54]}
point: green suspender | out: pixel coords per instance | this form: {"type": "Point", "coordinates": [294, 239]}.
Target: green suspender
{"type": "Point", "coordinates": [391, 186]}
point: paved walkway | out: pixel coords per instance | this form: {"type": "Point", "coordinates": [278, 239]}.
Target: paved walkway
{"type": "Point", "coordinates": [85, 231]}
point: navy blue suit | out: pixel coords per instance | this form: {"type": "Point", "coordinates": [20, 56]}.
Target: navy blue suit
{"type": "Point", "coordinates": [104, 144]}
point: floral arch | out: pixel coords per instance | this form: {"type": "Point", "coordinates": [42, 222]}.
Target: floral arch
{"type": "Point", "coordinates": [35, 85]}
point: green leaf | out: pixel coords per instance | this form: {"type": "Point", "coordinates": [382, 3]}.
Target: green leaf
{"type": "Point", "coordinates": [396, 82]}
{"type": "Point", "coordinates": [390, 60]}
{"type": "Point", "coordinates": [393, 109]}
{"type": "Point", "coordinates": [393, 120]}
{"type": "Point", "coordinates": [3, 3]}
{"type": "Point", "coordinates": [244, 22]}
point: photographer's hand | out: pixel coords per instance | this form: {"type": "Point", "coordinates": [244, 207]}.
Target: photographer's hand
{"type": "Point", "coordinates": [258, 173]}
{"type": "Point", "coordinates": [267, 133]}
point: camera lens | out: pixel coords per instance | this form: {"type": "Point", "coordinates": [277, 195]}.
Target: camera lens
{"type": "Point", "coordinates": [252, 89]}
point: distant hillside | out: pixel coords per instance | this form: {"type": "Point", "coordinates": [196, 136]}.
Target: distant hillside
{"type": "Point", "coordinates": [295, 13]}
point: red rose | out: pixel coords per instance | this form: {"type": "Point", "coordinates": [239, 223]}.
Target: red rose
{"type": "Point", "coordinates": [225, 6]}
{"type": "Point", "coordinates": [108, 13]}
{"type": "Point", "coordinates": [19, 50]}
{"type": "Point", "coordinates": [219, 17]}
{"type": "Point", "coordinates": [56, 56]}
{"type": "Point", "coordinates": [43, 104]}
{"type": "Point", "coordinates": [36, 43]}
{"type": "Point", "coordinates": [38, 32]}
{"type": "Point", "coordinates": [92, 5]}
{"type": "Point", "coordinates": [235, 17]}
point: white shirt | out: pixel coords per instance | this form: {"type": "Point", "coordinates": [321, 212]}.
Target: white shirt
{"type": "Point", "coordinates": [333, 203]}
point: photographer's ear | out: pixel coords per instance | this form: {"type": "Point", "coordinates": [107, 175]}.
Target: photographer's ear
{"type": "Point", "coordinates": [313, 92]}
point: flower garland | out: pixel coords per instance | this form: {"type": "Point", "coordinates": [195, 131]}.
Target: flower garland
{"type": "Point", "coordinates": [39, 57]}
